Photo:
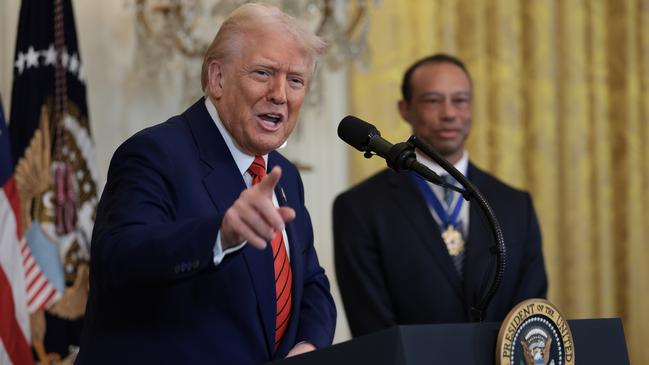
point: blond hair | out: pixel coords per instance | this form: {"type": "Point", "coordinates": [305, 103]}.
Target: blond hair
{"type": "Point", "coordinates": [257, 17]}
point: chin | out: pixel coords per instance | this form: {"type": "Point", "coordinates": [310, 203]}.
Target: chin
{"type": "Point", "coordinates": [448, 152]}
{"type": "Point", "coordinates": [265, 148]}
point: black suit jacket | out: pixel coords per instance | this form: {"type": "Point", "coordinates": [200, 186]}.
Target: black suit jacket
{"type": "Point", "coordinates": [155, 294]}
{"type": "Point", "coordinates": [393, 267]}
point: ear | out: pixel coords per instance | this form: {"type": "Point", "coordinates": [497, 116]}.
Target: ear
{"type": "Point", "coordinates": [215, 79]}
{"type": "Point", "coordinates": [403, 110]}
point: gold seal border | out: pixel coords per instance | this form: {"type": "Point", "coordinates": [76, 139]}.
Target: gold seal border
{"type": "Point", "coordinates": [519, 314]}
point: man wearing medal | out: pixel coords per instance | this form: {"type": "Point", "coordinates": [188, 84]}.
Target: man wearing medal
{"type": "Point", "coordinates": [409, 252]}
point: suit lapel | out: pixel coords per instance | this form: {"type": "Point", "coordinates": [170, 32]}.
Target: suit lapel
{"type": "Point", "coordinates": [222, 178]}
{"type": "Point", "coordinates": [477, 255]}
{"type": "Point", "coordinates": [260, 266]}
{"type": "Point", "coordinates": [414, 207]}
{"type": "Point", "coordinates": [224, 184]}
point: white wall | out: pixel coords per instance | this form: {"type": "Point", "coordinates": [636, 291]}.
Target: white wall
{"type": "Point", "coordinates": [122, 101]}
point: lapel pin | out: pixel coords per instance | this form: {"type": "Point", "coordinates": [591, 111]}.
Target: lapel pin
{"type": "Point", "coordinates": [283, 195]}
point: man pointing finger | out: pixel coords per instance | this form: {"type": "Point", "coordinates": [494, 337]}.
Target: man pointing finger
{"type": "Point", "coordinates": [198, 254]}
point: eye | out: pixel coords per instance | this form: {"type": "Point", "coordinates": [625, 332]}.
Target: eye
{"type": "Point", "coordinates": [261, 73]}
{"type": "Point", "coordinates": [296, 82]}
{"type": "Point", "coordinates": [461, 101]}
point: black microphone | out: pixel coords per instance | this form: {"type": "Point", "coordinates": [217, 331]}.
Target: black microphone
{"type": "Point", "coordinates": [366, 138]}
{"type": "Point", "coordinates": [363, 136]}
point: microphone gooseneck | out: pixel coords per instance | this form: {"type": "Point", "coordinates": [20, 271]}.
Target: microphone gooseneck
{"type": "Point", "coordinates": [498, 248]}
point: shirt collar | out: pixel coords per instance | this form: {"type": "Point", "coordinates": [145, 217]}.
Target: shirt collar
{"type": "Point", "coordinates": [242, 159]}
{"type": "Point", "coordinates": [462, 165]}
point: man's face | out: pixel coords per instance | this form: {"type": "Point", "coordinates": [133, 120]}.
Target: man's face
{"type": "Point", "coordinates": [439, 110]}
{"type": "Point", "coordinates": [259, 91]}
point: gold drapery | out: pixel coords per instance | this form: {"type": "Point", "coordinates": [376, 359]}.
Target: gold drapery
{"type": "Point", "coordinates": [561, 108]}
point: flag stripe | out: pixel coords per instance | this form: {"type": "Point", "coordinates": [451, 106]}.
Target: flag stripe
{"type": "Point", "coordinates": [12, 336]}
{"type": "Point", "coordinates": [11, 192]}
{"type": "Point", "coordinates": [51, 298]}
{"type": "Point", "coordinates": [10, 261]}
{"type": "Point", "coordinates": [14, 318]}
{"type": "Point", "coordinates": [31, 273]}
{"type": "Point", "coordinates": [39, 292]}
{"type": "Point", "coordinates": [44, 298]}
{"type": "Point", "coordinates": [4, 357]}
{"type": "Point", "coordinates": [34, 286]}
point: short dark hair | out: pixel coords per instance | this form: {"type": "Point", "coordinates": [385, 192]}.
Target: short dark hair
{"type": "Point", "coordinates": [406, 85]}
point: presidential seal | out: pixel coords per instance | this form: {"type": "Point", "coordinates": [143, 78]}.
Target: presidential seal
{"type": "Point", "coordinates": [535, 333]}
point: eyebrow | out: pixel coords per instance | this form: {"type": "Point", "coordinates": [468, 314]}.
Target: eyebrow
{"type": "Point", "coordinates": [436, 93]}
{"type": "Point", "coordinates": [292, 70]}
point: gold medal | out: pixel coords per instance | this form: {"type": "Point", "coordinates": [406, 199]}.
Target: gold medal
{"type": "Point", "coordinates": [453, 240]}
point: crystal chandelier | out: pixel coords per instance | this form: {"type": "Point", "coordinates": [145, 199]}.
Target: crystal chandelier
{"type": "Point", "coordinates": [188, 26]}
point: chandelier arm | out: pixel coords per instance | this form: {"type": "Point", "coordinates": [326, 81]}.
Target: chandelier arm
{"type": "Point", "coordinates": [187, 51]}
{"type": "Point", "coordinates": [359, 15]}
{"type": "Point", "coordinates": [327, 13]}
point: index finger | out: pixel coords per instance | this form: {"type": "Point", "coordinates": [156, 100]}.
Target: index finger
{"type": "Point", "coordinates": [267, 184]}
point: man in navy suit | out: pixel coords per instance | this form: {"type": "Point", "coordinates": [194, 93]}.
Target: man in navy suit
{"type": "Point", "coordinates": [408, 252]}
{"type": "Point", "coordinates": [198, 254]}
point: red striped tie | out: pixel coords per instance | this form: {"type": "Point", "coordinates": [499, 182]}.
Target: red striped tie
{"type": "Point", "coordinates": [283, 275]}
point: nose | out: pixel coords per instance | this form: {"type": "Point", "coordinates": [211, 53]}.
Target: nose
{"type": "Point", "coordinates": [277, 91]}
{"type": "Point", "coordinates": [448, 111]}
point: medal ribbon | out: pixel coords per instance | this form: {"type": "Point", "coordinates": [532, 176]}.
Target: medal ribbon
{"type": "Point", "coordinates": [433, 201]}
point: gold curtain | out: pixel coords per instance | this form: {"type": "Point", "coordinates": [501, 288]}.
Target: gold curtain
{"type": "Point", "coordinates": [561, 109]}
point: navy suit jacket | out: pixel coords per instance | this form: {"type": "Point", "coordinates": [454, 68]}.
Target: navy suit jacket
{"type": "Point", "coordinates": [393, 267]}
{"type": "Point", "coordinates": [156, 295]}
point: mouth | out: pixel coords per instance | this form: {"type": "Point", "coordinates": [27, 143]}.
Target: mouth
{"type": "Point", "coordinates": [270, 121]}
{"type": "Point", "coordinates": [448, 133]}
